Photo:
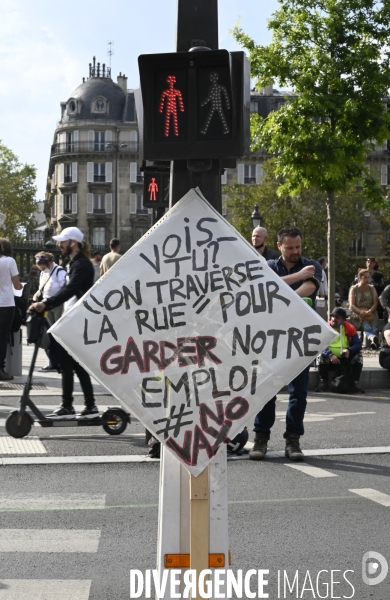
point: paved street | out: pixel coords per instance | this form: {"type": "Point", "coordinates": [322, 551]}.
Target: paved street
{"type": "Point", "coordinates": [73, 531]}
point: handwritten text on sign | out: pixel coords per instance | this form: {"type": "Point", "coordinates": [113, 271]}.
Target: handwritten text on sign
{"type": "Point", "coordinates": [192, 331]}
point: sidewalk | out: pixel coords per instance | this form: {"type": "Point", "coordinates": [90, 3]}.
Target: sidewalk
{"type": "Point", "coordinates": [44, 384]}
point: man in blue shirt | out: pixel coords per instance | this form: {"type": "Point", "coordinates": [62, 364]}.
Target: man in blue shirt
{"type": "Point", "coordinates": [303, 275]}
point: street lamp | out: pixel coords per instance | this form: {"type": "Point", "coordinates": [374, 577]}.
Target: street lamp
{"type": "Point", "coordinates": [116, 146]}
{"type": "Point", "coordinates": [256, 217]}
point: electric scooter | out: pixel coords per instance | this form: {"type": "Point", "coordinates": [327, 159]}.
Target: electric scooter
{"type": "Point", "coordinates": [19, 422]}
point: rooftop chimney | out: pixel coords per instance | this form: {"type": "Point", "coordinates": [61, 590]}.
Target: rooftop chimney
{"type": "Point", "coordinates": [122, 82]}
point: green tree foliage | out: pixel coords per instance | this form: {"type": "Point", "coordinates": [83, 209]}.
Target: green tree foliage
{"type": "Point", "coordinates": [17, 194]}
{"type": "Point", "coordinates": [306, 210]}
{"type": "Point", "coordinates": [334, 55]}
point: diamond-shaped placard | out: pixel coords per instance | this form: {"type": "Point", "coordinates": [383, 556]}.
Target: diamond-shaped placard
{"type": "Point", "coordinates": [192, 331]}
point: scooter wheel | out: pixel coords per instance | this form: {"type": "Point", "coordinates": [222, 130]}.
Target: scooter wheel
{"type": "Point", "coordinates": [114, 421]}
{"type": "Point", "coordinates": [18, 426]}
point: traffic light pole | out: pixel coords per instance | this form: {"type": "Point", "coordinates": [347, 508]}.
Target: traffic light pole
{"type": "Point", "coordinates": [197, 26]}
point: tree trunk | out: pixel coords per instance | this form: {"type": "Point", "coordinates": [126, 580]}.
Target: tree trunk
{"type": "Point", "coordinates": [330, 209]}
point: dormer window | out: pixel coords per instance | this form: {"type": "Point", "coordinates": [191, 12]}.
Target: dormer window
{"type": "Point", "coordinates": [99, 105]}
{"type": "Point", "coordinates": [72, 107]}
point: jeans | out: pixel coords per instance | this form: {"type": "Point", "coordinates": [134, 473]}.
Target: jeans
{"type": "Point", "coordinates": [297, 402]}
{"type": "Point", "coordinates": [369, 329]}
{"type": "Point", "coordinates": [6, 318]}
{"type": "Point", "coordinates": [68, 367]}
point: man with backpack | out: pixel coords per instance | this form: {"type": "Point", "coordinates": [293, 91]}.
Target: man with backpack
{"type": "Point", "coordinates": [343, 356]}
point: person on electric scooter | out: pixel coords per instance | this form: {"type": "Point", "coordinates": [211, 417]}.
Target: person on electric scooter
{"type": "Point", "coordinates": [79, 280]}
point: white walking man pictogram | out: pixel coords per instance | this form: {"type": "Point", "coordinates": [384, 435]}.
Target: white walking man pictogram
{"type": "Point", "coordinates": [216, 91]}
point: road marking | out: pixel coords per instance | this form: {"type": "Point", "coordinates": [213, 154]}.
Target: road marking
{"type": "Point", "coordinates": [373, 495]}
{"type": "Point", "coordinates": [25, 501]}
{"type": "Point", "coordinates": [312, 471]}
{"type": "Point", "coordinates": [28, 445]}
{"type": "Point", "coordinates": [44, 589]}
{"type": "Point", "coordinates": [49, 540]}
{"type": "Point", "coordinates": [324, 416]}
{"type": "Point", "coordinates": [103, 435]}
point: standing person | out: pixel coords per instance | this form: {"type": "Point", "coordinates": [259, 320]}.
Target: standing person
{"type": "Point", "coordinates": [96, 260]}
{"type": "Point", "coordinates": [363, 302]}
{"type": "Point", "coordinates": [78, 281]}
{"type": "Point", "coordinates": [110, 259]}
{"type": "Point", "coordinates": [323, 289]}
{"type": "Point", "coordinates": [9, 279]}
{"type": "Point", "coordinates": [51, 280]}
{"type": "Point", "coordinates": [303, 275]}
{"type": "Point", "coordinates": [259, 237]}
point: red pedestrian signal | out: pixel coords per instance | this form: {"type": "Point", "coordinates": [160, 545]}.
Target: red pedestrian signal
{"type": "Point", "coordinates": [156, 189]}
{"type": "Point", "coordinates": [153, 189]}
{"type": "Point", "coordinates": [170, 100]}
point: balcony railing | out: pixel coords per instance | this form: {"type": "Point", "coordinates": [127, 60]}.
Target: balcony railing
{"type": "Point", "coordinates": [86, 147]}
{"type": "Point", "coordinates": [99, 178]}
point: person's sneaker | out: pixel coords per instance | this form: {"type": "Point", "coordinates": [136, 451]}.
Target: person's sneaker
{"type": "Point", "coordinates": [90, 412]}
{"type": "Point", "coordinates": [4, 376]}
{"type": "Point", "coordinates": [62, 412]}
{"type": "Point", "coordinates": [47, 369]}
{"type": "Point", "coordinates": [374, 345]}
{"type": "Point", "coordinates": [293, 450]}
{"type": "Point", "coordinates": [322, 386]}
{"type": "Point", "coordinates": [260, 448]}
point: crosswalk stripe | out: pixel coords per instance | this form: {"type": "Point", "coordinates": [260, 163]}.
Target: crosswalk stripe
{"type": "Point", "coordinates": [26, 501]}
{"type": "Point", "coordinates": [374, 495]}
{"type": "Point", "coordinates": [28, 445]}
{"type": "Point", "coordinates": [312, 471]}
{"type": "Point", "coordinates": [49, 540]}
{"type": "Point", "coordinates": [44, 589]}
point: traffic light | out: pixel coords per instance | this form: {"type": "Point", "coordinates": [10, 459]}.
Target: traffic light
{"type": "Point", "coordinates": [196, 104]}
{"type": "Point", "coordinates": [156, 189]}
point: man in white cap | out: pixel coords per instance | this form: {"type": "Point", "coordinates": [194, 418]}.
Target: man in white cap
{"type": "Point", "coordinates": [79, 280]}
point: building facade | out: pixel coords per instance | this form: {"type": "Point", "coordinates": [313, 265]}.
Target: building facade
{"type": "Point", "coordinates": [94, 181]}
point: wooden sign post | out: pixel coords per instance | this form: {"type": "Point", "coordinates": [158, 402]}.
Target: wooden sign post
{"type": "Point", "coordinates": [199, 523]}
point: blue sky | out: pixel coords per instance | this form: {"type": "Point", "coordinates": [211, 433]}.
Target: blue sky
{"type": "Point", "coordinates": [46, 46]}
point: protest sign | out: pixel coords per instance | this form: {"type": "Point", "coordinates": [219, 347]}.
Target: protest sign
{"type": "Point", "coordinates": [192, 331]}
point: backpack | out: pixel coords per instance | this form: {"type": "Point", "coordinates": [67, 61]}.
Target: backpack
{"type": "Point", "coordinates": [19, 315]}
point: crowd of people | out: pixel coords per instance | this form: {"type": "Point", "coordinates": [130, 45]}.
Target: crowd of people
{"type": "Point", "coordinates": [53, 289]}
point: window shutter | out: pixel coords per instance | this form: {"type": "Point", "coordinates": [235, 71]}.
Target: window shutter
{"type": "Point", "coordinates": [74, 172]}
{"type": "Point", "coordinates": [259, 173]}
{"type": "Point", "coordinates": [384, 175]}
{"type": "Point", "coordinates": [150, 211]}
{"type": "Point", "coordinates": [89, 204]}
{"type": "Point", "coordinates": [89, 172]}
{"type": "Point", "coordinates": [224, 209]}
{"type": "Point", "coordinates": [133, 204]}
{"type": "Point", "coordinates": [224, 178]}
{"type": "Point", "coordinates": [76, 137]}
{"type": "Point", "coordinates": [62, 138]}
{"type": "Point", "coordinates": [54, 211]}
{"type": "Point", "coordinates": [62, 178]}
{"type": "Point", "coordinates": [61, 204]}
{"type": "Point", "coordinates": [109, 204]}
{"type": "Point", "coordinates": [91, 140]}
{"type": "Point", "coordinates": [109, 172]}
{"type": "Point", "coordinates": [74, 204]}
{"type": "Point", "coordinates": [55, 175]}
{"type": "Point", "coordinates": [240, 173]}
{"type": "Point", "coordinates": [133, 172]}
{"type": "Point", "coordinates": [108, 135]}
{"type": "Point", "coordinates": [133, 136]}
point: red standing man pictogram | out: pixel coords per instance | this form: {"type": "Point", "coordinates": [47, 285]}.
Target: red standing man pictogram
{"type": "Point", "coordinates": [152, 189]}
{"type": "Point", "coordinates": [172, 97]}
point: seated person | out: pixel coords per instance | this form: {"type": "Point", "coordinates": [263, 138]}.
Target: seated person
{"type": "Point", "coordinates": [384, 354]}
{"type": "Point", "coordinates": [384, 301]}
{"type": "Point", "coordinates": [346, 348]}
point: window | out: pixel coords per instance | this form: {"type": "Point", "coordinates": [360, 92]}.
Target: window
{"type": "Point", "coordinates": [140, 207]}
{"type": "Point", "coordinates": [250, 174]}
{"type": "Point", "coordinates": [68, 173]}
{"type": "Point", "coordinates": [69, 142]}
{"type": "Point", "coordinates": [99, 171]}
{"type": "Point", "coordinates": [139, 232]}
{"type": "Point", "coordinates": [67, 204]}
{"type": "Point", "coordinates": [99, 236]}
{"type": "Point", "coordinates": [72, 107]}
{"type": "Point", "coordinates": [133, 141]}
{"type": "Point", "coordinates": [254, 107]}
{"type": "Point", "coordinates": [99, 203]}
{"type": "Point", "coordinates": [100, 141]}
{"type": "Point", "coordinates": [100, 105]}
{"type": "Point", "coordinates": [140, 175]}
{"type": "Point", "coordinates": [136, 176]}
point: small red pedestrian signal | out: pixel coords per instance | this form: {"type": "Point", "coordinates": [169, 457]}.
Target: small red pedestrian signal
{"type": "Point", "coordinates": [153, 190]}
{"type": "Point", "coordinates": [169, 100]}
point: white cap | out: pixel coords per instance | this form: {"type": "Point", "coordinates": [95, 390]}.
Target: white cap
{"type": "Point", "coordinates": [69, 233]}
